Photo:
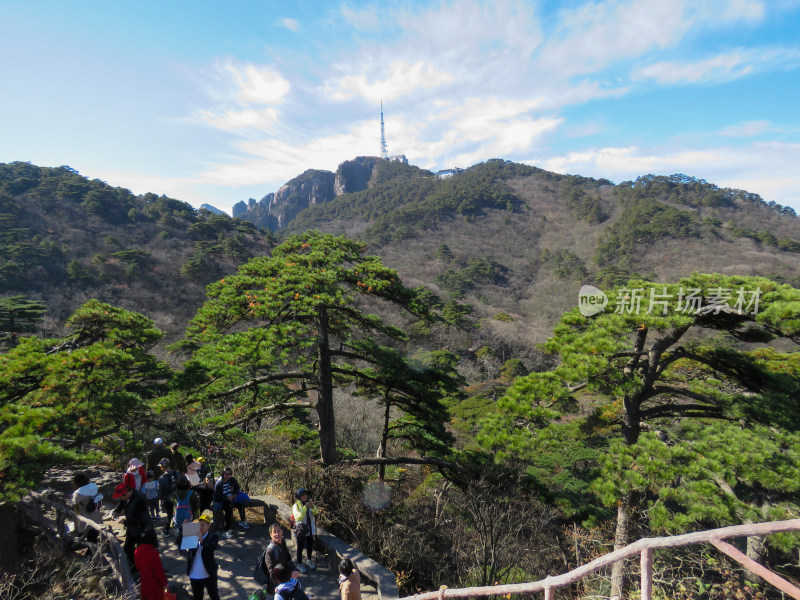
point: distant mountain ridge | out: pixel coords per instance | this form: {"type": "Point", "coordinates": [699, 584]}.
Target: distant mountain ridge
{"type": "Point", "coordinates": [504, 245]}
{"type": "Point", "coordinates": [314, 187]}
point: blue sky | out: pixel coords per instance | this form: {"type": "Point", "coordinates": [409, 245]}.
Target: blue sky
{"type": "Point", "coordinates": [216, 102]}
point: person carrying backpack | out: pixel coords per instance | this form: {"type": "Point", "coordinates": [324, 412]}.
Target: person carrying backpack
{"type": "Point", "coordinates": [150, 490]}
{"type": "Point", "coordinates": [166, 487]}
{"type": "Point", "coordinates": [304, 512]}
{"type": "Point", "coordinates": [288, 588]}
{"type": "Point", "coordinates": [277, 554]}
{"type": "Point", "coordinates": [187, 505]}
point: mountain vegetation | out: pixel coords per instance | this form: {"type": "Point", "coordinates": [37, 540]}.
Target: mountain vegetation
{"type": "Point", "coordinates": [416, 353]}
{"type": "Point", "coordinates": [65, 239]}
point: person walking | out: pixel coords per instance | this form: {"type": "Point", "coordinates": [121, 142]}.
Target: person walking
{"type": "Point", "coordinates": [166, 488]}
{"type": "Point", "coordinates": [202, 566]}
{"type": "Point", "coordinates": [150, 490]}
{"type": "Point", "coordinates": [133, 507]}
{"type": "Point", "coordinates": [187, 505]}
{"type": "Point", "coordinates": [159, 452]}
{"type": "Point", "coordinates": [304, 511]}
{"type": "Point", "coordinates": [135, 476]}
{"type": "Point", "coordinates": [152, 579]}
{"type": "Point", "coordinates": [178, 462]}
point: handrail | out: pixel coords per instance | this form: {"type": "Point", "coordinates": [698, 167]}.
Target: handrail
{"type": "Point", "coordinates": [644, 547]}
{"type": "Point", "coordinates": [118, 559]}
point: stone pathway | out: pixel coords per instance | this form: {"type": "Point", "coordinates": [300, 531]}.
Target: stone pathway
{"type": "Point", "coordinates": [236, 557]}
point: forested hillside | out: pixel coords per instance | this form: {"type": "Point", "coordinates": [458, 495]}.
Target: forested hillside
{"type": "Point", "coordinates": [66, 239]}
{"type": "Point", "coordinates": [430, 375]}
{"type": "Point", "coordinates": [516, 242]}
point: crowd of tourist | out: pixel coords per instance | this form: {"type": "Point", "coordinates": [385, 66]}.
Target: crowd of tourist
{"type": "Point", "coordinates": [173, 489]}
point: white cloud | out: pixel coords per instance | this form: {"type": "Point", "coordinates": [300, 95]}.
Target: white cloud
{"type": "Point", "coordinates": [142, 183]}
{"type": "Point", "coordinates": [724, 67]}
{"type": "Point", "coordinates": [238, 120]}
{"type": "Point", "coordinates": [363, 19]}
{"type": "Point", "coordinates": [403, 78]}
{"type": "Point", "coordinates": [746, 129]}
{"type": "Point", "coordinates": [597, 34]}
{"type": "Point", "coordinates": [720, 68]}
{"type": "Point", "coordinates": [257, 84]}
{"type": "Point", "coordinates": [749, 10]}
{"type": "Point", "coordinates": [765, 168]}
{"type": "Point", "coordinates": [273, 160]}
{"type": "Point", "coordinates": [290, 24]}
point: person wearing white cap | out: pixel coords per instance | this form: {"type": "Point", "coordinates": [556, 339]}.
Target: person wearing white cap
{"type": "Point", "coordinates": [135, 476]}
{"type": "Point", "coordinates": [159, 452]}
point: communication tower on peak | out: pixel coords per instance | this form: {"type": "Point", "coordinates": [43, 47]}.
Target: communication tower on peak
{"type": "Point", "coordinates": [384, 149]}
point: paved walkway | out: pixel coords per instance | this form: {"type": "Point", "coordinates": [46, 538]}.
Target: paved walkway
{"type": "Point", "coordinates": [236, 557]}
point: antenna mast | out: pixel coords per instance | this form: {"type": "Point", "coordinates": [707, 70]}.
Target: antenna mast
{"type": "Point", "coordinates": [384, 149]}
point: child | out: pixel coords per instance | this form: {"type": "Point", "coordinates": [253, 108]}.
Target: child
{"type": "Point", "coordinates": [150, 489]}
{"type": "Point", "coordinates": [152, 579]}
{"type": "Point", "coordinates": [349, 580]}
{"type": "Point", "coordinates": [288, 587]}
{"type": "Point", "coordinates": [202, 567]}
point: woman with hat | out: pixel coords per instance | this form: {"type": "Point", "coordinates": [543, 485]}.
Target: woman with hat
{"type": "Point", "coordinates": [202, 567]}
{"type": "Point", "coordinates": [133, 506]}
{"type": "Point", "coordinates": [305, 527]}
{"type": "Point", "coordinates": [135, 476]}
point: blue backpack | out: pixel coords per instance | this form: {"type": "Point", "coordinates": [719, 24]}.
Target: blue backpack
{"type": "Point", "coordinates": [183, 512]}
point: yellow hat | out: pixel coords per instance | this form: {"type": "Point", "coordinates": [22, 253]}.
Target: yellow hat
{"type": "Point", "coordinates": [207, 516]}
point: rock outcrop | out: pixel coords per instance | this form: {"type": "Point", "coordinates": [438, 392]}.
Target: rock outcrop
{"type": "Point", "coordinates": [257, 212]}
{"type": "Point", "coordinates": [354, 175]}
{"type": "Point", "coordinates": [275, 211]}
{"type": "Point", "coordinates": [311, 187]}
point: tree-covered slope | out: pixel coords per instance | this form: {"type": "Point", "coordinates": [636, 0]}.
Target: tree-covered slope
{"type": "Point", "coordinates": [517, 242]}
{"type": "Point", "coordinates": [65, 239]}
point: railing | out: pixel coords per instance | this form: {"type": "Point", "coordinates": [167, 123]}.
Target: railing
{"type": "Point", "coordinates": [336, 549]}
{"type": "Point", "coordinates": [108, 547]}
{"type": "Point", "coordinates": [644, 548]}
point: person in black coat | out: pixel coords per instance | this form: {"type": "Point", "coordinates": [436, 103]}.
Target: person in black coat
{"type": "Point", "coordinates": [225, 491]}
{"type": "Point", "coordinates": [202, 566]}
{"type": "Point", "coordinates": [133, 505]}
{"type": "Point", "coordinates": [277, 554]}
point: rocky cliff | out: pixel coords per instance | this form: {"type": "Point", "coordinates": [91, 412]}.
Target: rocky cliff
{"type": "Point", "coordinates": [354, 175]}
{"type": "Point", "coordinates": [257, 212]}
{"type": "Point", "coordinates": [275, 211]}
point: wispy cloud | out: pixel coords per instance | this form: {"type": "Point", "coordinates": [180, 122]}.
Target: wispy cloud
{"type": "Point", "coordinates": [403, 78]}
{"type": "Point", "coordinates": [746, 129]}
{"type": "Point", "coordinates": [263, 119]}
{"type": "Point", "coordinates": [290, 24]}
{"type": "Point", "coordinates": [361, 18]}
{"type": "Point", "coordinates": [257, 84]}
{"type": "Point", "coordinates": [276, 160]}
{"type": "Point", "coordinates": [720, 68]}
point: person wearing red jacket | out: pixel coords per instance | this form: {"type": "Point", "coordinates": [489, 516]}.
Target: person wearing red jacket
{"type": "Point", "coordinates": [152, 579]}
{"type": "Point", "coordinates": [135, 477]}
